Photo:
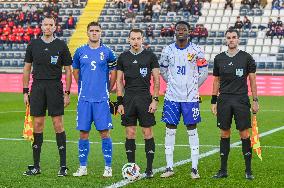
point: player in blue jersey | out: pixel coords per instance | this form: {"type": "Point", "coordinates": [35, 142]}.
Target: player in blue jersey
{"type": "Point", "coordinates": [92, 64]}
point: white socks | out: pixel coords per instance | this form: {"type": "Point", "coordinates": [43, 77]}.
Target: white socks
{"type": "Point", "coordinates": [169, 146]}
{"type": "Point", "coordinates": [194, 146]}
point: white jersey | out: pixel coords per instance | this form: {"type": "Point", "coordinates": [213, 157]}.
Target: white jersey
{"type": "Point", "coordinates": [181, 69]}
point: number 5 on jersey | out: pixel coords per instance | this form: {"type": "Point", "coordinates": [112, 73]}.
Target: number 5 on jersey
{"type": "Point", "coordinates": [181, 70]}
{"type": "Point", "coordinates": [93, 63]}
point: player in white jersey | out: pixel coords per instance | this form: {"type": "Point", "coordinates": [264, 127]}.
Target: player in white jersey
{"type": "Point", "coordinates": [184, 68]}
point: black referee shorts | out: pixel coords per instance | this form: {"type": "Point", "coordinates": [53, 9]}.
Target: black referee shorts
{"type": "Point", "coordinates": [47, 94]}
{"type": "Point", "coordinates": [237, 106]}
{"type": "Point", "coordinates": [136, 107]}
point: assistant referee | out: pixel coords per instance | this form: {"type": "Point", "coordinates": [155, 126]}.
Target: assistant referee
{"type": "Point", "coordinates": [231, 69]}
{"type": "Point", "coordinates": [47, 55]}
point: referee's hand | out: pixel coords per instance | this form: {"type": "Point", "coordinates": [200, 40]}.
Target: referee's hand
{"type": "Point", "coordinates": [120, 109]}
{"type": "Point", "coordinates": [153, 107]}
{"type": "Point", "coordinates": [26, 99]}
{"type": "Point", "coordinates": [214, 109]}
{"type": "Point", "coordinates": [66, 100]}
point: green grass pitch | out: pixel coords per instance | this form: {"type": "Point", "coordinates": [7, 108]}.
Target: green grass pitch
{"type": "Point", "coordinates": [17, 154]}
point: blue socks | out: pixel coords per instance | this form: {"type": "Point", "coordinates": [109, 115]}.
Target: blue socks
{"type": "Point", "coordinates": [107, 151]}
{"type": "Point", "coordinates": [84, 148]}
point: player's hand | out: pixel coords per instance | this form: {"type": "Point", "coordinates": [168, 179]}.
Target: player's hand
{"type": "Point", "coordinates": [255, 107]}
{"type": "Point", "coordinates": [26, 99]}
{"type": "Point", "coordinates": [66, 100]}
{"type": "Point", "coordinates": [214, 109]}
{"type": "Point", "coordinates": [153, 106]}
{"type": "Point", "coordinates": [120, 109]}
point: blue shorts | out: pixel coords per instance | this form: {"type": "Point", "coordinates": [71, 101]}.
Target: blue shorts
{"type": "Point", "coordinates": [97, 112]}
{"type": "Point", "coordinates": [173, 110]}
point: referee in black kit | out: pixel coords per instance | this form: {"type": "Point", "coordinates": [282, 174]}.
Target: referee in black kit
{"type": "Point", "coordinates": [230, 72]}
{"type": "Point", "coordinates": [137, 65]}
{"type": "Point", "coordinates": [47, 55]}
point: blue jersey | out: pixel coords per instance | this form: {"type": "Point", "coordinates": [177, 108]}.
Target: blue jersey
{"type": "Point", "coordinates": [94, 66]}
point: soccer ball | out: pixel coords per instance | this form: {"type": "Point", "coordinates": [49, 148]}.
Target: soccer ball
{"type": "Point", "coordinates": [130, 171]}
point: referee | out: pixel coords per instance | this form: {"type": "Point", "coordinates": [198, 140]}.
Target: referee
{"type": "Point", "coordinates": [47, 55]}
{"type": "Point", "coordinates": [231, 69]}
{"type": "Point", "coordinates": [137, 65]}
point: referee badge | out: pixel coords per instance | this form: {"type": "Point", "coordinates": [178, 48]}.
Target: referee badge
{"type": "Point", "coordinates": [239, 72]}
{"type": "Point", "coordinates": [53, 59]}
{"type": "Point", "coordinates": [190, 56]}
{"type": "Point", "coordinates": [102, 56]}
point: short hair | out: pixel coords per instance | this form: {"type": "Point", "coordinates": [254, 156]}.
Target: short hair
{"type": "Point", "coordinates": [49, 17]}
{"type": "Point", "coordinates": [232, 30]}
{"type": "Point", "coordinates": [182, 22]}
{"type": "Point", "coordinates": [93, 24]}
{"type": "Point", "coordinates": [136, 30]}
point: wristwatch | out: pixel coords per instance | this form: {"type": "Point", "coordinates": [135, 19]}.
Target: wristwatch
{"type": "Point", "coordinates": [156, 99]}
{"type": "Point", "coordinates": [67, 92]}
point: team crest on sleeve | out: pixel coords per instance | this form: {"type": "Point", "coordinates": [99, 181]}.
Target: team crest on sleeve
{"type": "Point", "coordinates": [239, 72]}
{"type": "Point", "coordinates": [53, 59]}
{"type": "Point", "coordinates": [190, 56]}
{"type": "Point", "coordinates": [102, 56]}
{"type": "Point", "coordinates": [143, 72]}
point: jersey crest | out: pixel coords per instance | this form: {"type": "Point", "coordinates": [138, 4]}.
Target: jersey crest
{"type": "Point", "coordinates": [102, 56]}
{"type": "Point", "coordinates": [239, 72]}
{"type": "Point", "coordinates": [53, 59]}
{"type": "Point", "coordinates": [190, 56]}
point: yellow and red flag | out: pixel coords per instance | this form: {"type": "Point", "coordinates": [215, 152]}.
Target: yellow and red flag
{"type": "Point", "coordinates": [255, 143]}
{"type": "Point", "coordinates": [28, 126]}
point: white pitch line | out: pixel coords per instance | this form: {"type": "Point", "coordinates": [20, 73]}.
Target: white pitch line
{"type": "Point", "coordinates": [138, 144]}
{"type": "Point", "coordinates": [202, 155]}
{"type": "Point", "coordinates": [22, 111]}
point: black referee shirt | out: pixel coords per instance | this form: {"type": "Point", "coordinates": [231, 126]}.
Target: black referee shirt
{"type": "Point", "coordinates": [48, 58]}
{"type": "Point", "coordinates": [233, 72]}
{"type": "Point", "coordinates": [137, 70]}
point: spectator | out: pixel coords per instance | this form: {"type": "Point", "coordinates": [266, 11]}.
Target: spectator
{"type": "Point", "coordinates": [142, 4]}
{"type": "Point", "coordinates": [130, 16]}
{"type": "Point", "coordinates": [26, 38]}
{"type": "Point", "coordinates": [70, 22]}
{"type": "Point", "coordinates": [229, 3]}
{"type": "Point", "coordinates": [59, 31]}
{"type": "Point", "coordinates": [135, 6]}
{"type": "Point", "coordinates": [263, 3]}
{"type": "Point", "coordinates": [147, 46]}
{"type": "Point", "coordinates": [254, 4]}
{"type": "Point", "coordinates": [20, 30]}
{"type": "Point", "coordinates": [171, 30]}
{"type": "Point", "coordinates": [239, 24]}
{"type": "Point", "coordinates": [203, 32]}
{"type": "Point", "coordinates": [6, 30]}
{"type": "Point", "coordinates": [55, 7]}
{"type": "Point", "coordinates": [245, 2]}
{"type": "Point", "coordinates": [271, 33]}
{"type": "Point", "coordinates": [164, 31]}
{"type": "Point", "coordinates": [156, 10]}
{"type": "Point", "coordinates": [148, 12]}
{"type": "Point", "coordinates": [11, 38]}
{"type": "Point", "coordinates": [172, 8]}
{"type": "Point", "coordinates": [3, 39]}
{"type": "Point", "coordinates": [47, 8]}
{"type": "Point", "coordinates": [18, 39]}
{"type": "Point", "coordinates": [247, 23]}
{"type": "Point", "coordinates": [279, 22]}
{"type": "Point", "coordinates": [186, 6]}
{"type": "Point", "coordinates": [271, 24]}
{"type": "Point", "coordinates": [37, 31]}
{"type": "Point", "coordinates": [195, 9]}
{"type": "Point", "coordinates": [33, 8]}
{"type": "Point", "coordinates": [149, 32]}
{"type": "Point", "coordinates": [279, 32]}
{"type": "Point", "coordinates": [26, 8]}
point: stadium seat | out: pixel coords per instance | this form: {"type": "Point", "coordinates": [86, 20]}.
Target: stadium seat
{"type": "Point", "coordinates": [117, 33]}
{"type": "Point", "coordinates": [260, 65]}
{"type": "Point", "coordinates": [202, 41]}
{"type": "Point", "coordinates": [278, 65]}
{"type": "Point", "coordinates": [269, 65]}
{"type": "Point", "coordinates": [218, 41]}
{"type": "Point", "coordinates": [212, 33]}
{"type": "Point", "coordinates": [114, 40]}
{"type": "Point", "coordinates": [210, 41]}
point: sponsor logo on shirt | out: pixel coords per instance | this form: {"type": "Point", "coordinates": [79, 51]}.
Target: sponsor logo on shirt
{"type": "Point", "coordinates": [143, 72]}
{"type": "Point", "coordinates": [85, 57]}
{"type": "Point", "coordinates": [134, 62]}
{"type": "Point", "coordinates": [53, 59]}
